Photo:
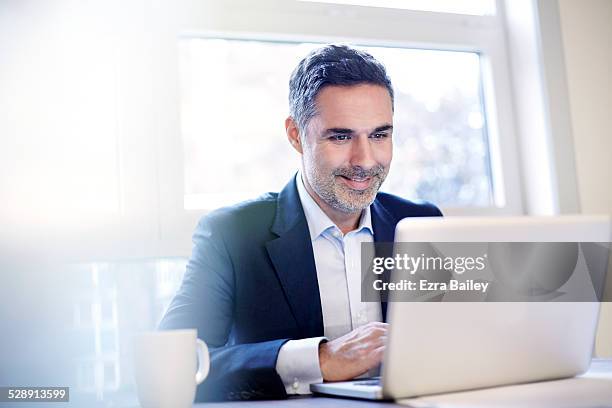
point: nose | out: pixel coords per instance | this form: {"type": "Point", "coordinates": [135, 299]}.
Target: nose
{"type": "Point", "coordinates": [362, 153]}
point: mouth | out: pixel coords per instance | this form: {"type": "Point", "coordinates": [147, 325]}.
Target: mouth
{"type": "Point", "coordinates": [357, 183]}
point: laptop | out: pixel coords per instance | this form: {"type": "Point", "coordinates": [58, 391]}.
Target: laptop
{"type": "Point", "coordinates": [440, 347]}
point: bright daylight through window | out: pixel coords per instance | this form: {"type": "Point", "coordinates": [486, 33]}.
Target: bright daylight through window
{"type": "Point", "coordinates": [234, 99]}
{"type": "Point", "coordinates": [474, 7]}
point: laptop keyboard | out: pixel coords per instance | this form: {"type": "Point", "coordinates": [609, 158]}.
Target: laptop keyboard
{"type": "Point", "coordinates": [374, 382]}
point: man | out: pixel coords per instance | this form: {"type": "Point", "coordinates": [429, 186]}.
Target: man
{"type": "Point", "coordinates": [273, 284]}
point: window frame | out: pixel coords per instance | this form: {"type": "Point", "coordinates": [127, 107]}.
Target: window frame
{"type": "Point", "coordinates": [152, 221]}
{"type": "Point", "coordinates": [426, 30]}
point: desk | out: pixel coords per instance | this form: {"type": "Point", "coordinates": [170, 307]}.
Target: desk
{"type": "Point", "coordinates": [593, 389]}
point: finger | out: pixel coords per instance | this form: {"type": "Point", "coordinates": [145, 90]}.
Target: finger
{"type": "Point", "coordinates": [374, 344]}
{"type": "Point", "coordinates": [379, 354]}
{"type": "Point", "coordinates": [375, 332]}
{"type": "Point", "coordinates": [378, 324]}
{"type": "Point", "coordinates": [375, 357]}
{"type": "Point", "coordinates": [381, 341]}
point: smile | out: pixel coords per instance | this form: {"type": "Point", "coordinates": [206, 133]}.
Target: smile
{"type": "Point", "coordinates": [356, 183]}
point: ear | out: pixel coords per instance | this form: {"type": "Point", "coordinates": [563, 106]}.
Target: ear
{"type": "Point", "coordinates": [293, 134]}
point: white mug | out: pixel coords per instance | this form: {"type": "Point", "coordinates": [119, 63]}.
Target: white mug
{"type": "Point", "coordinates": [165, 367]}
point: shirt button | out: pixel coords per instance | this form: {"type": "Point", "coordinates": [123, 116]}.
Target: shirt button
{"type": "Point", "coordinates": [295, 384]}
{"type": "Point", "coordinates": [336, 233]}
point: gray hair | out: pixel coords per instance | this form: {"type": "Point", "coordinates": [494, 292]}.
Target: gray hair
{"type": "Point", "coordinates": [330, 65]}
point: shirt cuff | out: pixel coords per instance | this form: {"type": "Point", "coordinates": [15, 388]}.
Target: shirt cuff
{"type": "Point", "coordinates": [298, 364]}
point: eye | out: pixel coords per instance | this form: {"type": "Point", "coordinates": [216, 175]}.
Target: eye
{"type": "Point", "coordinates": [340, 137]}
{"type": "Point", "coordinates": [379, 135]}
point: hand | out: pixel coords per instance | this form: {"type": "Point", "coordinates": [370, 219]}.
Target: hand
{"type": "Point", "coordinates": [354, 353]}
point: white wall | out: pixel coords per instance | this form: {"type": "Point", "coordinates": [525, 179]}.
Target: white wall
{"type": "Point", "coordinates": [587, 38]}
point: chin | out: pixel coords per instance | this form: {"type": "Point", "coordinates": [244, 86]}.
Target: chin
{"type": "Point", "coordinates": [352, 205]}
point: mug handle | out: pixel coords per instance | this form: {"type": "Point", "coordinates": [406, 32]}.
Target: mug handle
{"type": "Point", "coordinates": [203, 361]}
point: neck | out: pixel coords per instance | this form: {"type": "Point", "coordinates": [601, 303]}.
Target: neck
{"type": "Point", "coordinates": [346, 222]}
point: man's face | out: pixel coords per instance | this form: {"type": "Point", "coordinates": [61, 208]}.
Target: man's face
{"type": "Point", "coordinates": [347, 146]}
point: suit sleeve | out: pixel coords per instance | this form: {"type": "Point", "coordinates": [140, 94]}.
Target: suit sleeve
{"type": "Point", "coordinates": [205, 302]}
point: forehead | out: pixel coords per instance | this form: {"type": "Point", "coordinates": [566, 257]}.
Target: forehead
{"type": "Point", "coordinates": [355, 106]}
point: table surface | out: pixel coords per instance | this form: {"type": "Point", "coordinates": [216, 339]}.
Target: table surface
{"type": "Point", "coordinates": [599, 377]}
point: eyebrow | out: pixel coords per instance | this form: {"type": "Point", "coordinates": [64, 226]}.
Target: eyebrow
{"type": "Point", "coordinates": [342, 131]}
{"type": "Point", "coordinates": [347, 131]}
{"type": "Point", "coordinates": [383, 128]}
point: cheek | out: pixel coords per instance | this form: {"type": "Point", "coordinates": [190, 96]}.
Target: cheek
{"type": "Point", "coordinates": [330, 157]}
{"type": "Point", "coordinates": [383, 154]}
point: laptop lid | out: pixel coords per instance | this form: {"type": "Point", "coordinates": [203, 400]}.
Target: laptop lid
{"type": "Point", "coordinates": [436, 347]}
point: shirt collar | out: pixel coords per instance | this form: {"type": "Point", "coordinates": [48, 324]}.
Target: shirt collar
{"type": "Point", "coordinates": [318, 221]}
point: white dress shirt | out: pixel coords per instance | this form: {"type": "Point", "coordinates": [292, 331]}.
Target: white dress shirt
{"type": "Point", "coordinates": [338, 263]}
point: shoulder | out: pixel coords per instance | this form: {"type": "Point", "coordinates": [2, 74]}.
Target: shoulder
{"type": "Point", "coordinates": [402, 208]}
{"type": "Point", "coordinates": [243, 216]}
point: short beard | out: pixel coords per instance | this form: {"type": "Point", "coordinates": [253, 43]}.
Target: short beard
{"type": "Point", "coordinates": [340, 196]}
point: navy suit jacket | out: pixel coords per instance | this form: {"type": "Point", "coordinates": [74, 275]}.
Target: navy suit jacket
{"type": "Point", "coordinates": [251, 285]}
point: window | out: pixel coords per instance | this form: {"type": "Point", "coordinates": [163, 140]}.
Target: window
{"type": "Point", "coordinates": [234, 97]}
{"type": "Point", "coordinates": [236, 104]}
{"type": "Point", "coordinates": [121, 136]}
{"type": "Point", "coordinates": [124, 297]}
{"type": "Point", "coordinates": [475, 7]}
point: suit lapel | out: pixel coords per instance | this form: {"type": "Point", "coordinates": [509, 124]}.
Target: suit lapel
{"type": "Point", "coordinates": [383, 224]}
{"type": "Point", "coordinates": [292, 256]}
